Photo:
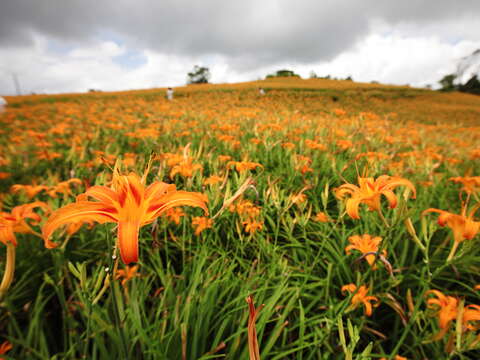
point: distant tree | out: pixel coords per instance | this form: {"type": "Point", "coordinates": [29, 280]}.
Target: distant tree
{"type": "Point", "coordinates": [313, 75]}
{"type": "Point", "coordinates": [447, 82]}
{"type": "Point", "coordinates": [472, 86]}
{"type": "Point", "coordinates": [349, 78]}
{"type": "Point", "coordinates": [199, 75]}
{"type": "Point", "coordinates": [283, 73]}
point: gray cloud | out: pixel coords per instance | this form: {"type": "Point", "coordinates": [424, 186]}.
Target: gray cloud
{"type": "Point", "coordinates": [59, 45]}
{"type": "Point", "coordinates": [248, 32]}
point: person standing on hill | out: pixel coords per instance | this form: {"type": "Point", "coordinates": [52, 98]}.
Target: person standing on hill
{"type": "Point", "coordinates": [169, 94]}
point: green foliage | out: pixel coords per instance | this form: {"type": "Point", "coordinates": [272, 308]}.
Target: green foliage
{"type": "Point", "coordinates": [472, 86]}
{"type": "Point", "coordinates": [199, 75]}
{"type": "Point", "coordinates": [283, 73]}
{"type": "Point", "coordinates": [447, 82]}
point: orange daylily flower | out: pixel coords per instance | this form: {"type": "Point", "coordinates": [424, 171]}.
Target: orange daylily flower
{"type": "Point", "coordinates": [129, 204]}
{"type": "Point", "coordinates": [4, 348]}
{"type": "Point", "coordinates": [186, 168]}
{"type": "Point", "coordinates": [175, 214]}
{"type": "Point", "coordinates": [224, 158]}
{"type": "Point", "coordinates": [63, 187]}
{"type": "Point", "coordinates": [321, 217]}
{"type": "Point", "coordinates": [366, 244]}
{"type": "Point", "coordinates": [11, 223]}
{"type": "Point", "coordinates": [288, 145]}
{"type": "Point", "coordinates": [212, 180]}
{"type": "Point", "coordinates": [201, 223]}
{"type": "Point", "coordinates": [361, 297]}
{"type": "Point", "coordinates": [251, 225]}
{"type": "Point", "coordinates": [463, 226]}
{"type": "Point", "coordinates": [15, 221]}
{"type": "Point", "coordinates": [244, 165]}
{"type": "Point", "coordinates": [127, 274]}
{"type": "Point", "coordinates": [470, 183]}
{"type": "Point", "coordinates": [369, 192]}
{"type": "Point", "coordinates": [245, 208]}
{"type": "Point", "coordinates": [446, 308]}
{"type": "Point", "coordinates": [471, 317]}
{"type": "Point", "coordinates": [29, 190]}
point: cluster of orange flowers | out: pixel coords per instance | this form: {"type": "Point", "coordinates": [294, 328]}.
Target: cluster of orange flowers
{"type": "Point", "coordinates": [249, 215]}
{"type": "Point", "coordinates": [449, 309]}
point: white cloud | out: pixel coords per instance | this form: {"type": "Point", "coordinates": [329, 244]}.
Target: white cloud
{"type": "Point", "coordinates": [388, 57]}
{"type": "Point", "coordinates": [393, 58]}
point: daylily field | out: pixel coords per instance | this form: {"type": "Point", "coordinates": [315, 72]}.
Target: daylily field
{"type": "Point", "coordinates": [322, 220]}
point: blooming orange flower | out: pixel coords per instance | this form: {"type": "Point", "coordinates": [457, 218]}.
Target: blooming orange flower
{"type": "Point", "coordinates": [64, 187]}
{"type": "Point", "coordinates": [15, 222]}
{"type": "Point", "coordinates": [315, 145]}
{"type": "Point", "coordinates": [175, 214]}
{"type": "Point", "coordinates": [201, 223]}
{"type": "Point", "coordinates": [224, 158]}
{"type": "Point", "coordinates": [446, 308]}
{"type": "Point", "coordinates": [463, 227]}
{"type": "Point", "coordinates": [321, 217]}
{"type": "Point", "coordinates": [245, 208]}
{"type": "Point", "coordinates": [361, 297]}
{"type": "Point", "coordinates": [244, 165]}
{"type": "Point", "coordinates": [288, 145]}
{"type": "Point", "coordinates": [470, 183]}
{"type": "Point", "coordinates": [127, 274]}
{"type": "Point", "coordinates": [29, 190]}
{"type": "Point", "coordinates": [11, 223]}
{"type": "Point", "coordinates": [129, 204]}
{"type": "Point", "coordinates": [369, 192]}
{"type": "Point", "coordinates": [212, 180]}
{"type": "Point", "coordinates": [251, 225]}
{"type": "Point", "coordinates": [471, 317]}
{"type": "Point", "coordinates": [365, 244]}
{"type": "Point", "coordinates": [397, 357]}
{"type": "Point", "coordinates": [4, 348]}
{"type": "Point", "coordinates": [186, 168]}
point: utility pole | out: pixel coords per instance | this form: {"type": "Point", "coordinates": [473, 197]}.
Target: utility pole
{"type": "Point", "coordinates": [16, 83]}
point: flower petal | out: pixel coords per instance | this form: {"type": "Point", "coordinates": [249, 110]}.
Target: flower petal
{"type": "Point", "coordinates": [103, 194]}
{"type": "Point", "coordinates": [79, 211]}
{"type": "Point", "coordinates": [173, 199]}
{"type": "Point", "coordinates": [128, 241]}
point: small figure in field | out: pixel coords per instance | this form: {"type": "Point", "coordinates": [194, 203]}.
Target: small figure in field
{"type": "Point", "coordinates": [3, 104]}
{"type": "Point", "coordinates": [169, 94]}
{"type": "Point", "coordinates": [261, 91]}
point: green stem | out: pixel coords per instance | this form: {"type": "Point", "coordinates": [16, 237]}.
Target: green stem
{"type": "Point", "coordinates": [9, 270]}
{"type": "Point", "coordinates": [452, 251]}
{"type": "Point", "coordinates": [385, 222]}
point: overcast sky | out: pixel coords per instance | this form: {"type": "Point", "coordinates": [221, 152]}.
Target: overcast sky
{"type": "Point", "coordinates": [69, 46]}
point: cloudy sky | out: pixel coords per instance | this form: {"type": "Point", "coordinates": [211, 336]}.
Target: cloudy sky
{"type": "Point", "coordinates": [74, 45]}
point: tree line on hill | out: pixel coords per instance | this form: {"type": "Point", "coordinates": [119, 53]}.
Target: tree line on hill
{"type": "Point", "coordinates": [471, 86]}
{"type": "Point", "coordinates": [450, 82]}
